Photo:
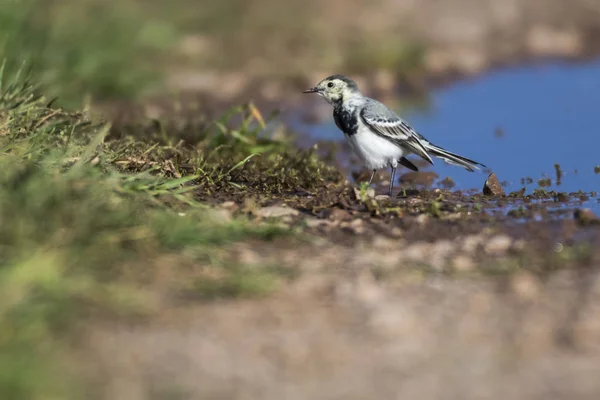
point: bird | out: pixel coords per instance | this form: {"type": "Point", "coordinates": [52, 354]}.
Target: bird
{"type": "Point", "coordinates": [377, 135]}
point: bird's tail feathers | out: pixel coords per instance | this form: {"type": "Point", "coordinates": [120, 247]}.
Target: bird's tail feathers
{"type": "Point", "coordinates": [453, 159]}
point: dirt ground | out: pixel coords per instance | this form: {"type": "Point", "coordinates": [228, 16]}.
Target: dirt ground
{"type": "Point", "coordinates": [339, 332]}
{"type": "Point", "coordinates": [434, 294]}
{"type": "Point", "coordinates": [452, 305]}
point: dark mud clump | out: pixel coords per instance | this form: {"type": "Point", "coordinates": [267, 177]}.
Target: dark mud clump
{"type": "Point", "coordinates": [492, 186]}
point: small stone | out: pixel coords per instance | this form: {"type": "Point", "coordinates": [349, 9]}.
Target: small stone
{"type": "Point", "coordinates": [438, 254]}
{"type": "Point", "coordinates": [463, 263]}
{"type": "Point", "coordinates": [366, 290]}
{"type": "Point", "coordinates": [472, 242]}
{"type": "Point", "coordinates": [316, 223]}
{"type": "Point", "coordinates": [396, 232]}
{"type": "Point", "coordinates": [526, 286]}
{"type": "Point", "coordinates": [381, 242]}
{"type": "Point", "coordinates": [287, 219]}
{"type": "Point", "coordinates": [415, 201]}
{"type": "Point", "coordinates": [585, 216]}
{"type": "Point", "coordinates": [492, 186]}
{"type": "Point", "coordinates": [337, 214]}
{"type": "Point", "coordinates": [357, 226]}
{"type": "Point", "coordinates": [498, 244]}
{"type": "Point", "coordinates": [422, 219]}
{"type": "Point", "coordinates": [229, 205]}
{"type": "Point", "coordinates": [381, 197]}
{"type": "Point", "coordinates": [276, 212]}
{"type": "Point", "coordinates": [548, 41]}
{"type": "Point", "coordinates": [417, 251]}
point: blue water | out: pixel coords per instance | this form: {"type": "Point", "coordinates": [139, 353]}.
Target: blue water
{"type": "Point", "coordinates": [547, 114]}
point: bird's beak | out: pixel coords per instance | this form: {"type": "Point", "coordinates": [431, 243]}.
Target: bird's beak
{"type": "Point", "coordinates": [312, 90]}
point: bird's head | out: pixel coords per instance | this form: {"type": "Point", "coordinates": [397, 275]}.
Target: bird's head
{"type": "Point", "coordinates": [335, 88]}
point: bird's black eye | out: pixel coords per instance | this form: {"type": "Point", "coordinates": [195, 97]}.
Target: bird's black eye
{"type": "Point", "coordinates": [330, 84]}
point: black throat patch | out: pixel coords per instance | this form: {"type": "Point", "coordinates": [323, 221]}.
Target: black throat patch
{"type": "Point", "coordinates": [346, 119]}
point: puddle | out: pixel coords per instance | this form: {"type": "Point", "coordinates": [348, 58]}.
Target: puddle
{"type": "Point", "coordinates": [520, 122]}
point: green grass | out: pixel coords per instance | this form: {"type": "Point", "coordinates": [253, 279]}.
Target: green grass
{"type": "Point", "coordinates": [101, 49]}
{"type": "Point", "coordinates": [99, 220]}
{"type": "Point", "coordinates": [91, 225]}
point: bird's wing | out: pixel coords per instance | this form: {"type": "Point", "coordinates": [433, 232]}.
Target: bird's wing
{"type": "Point", "coordinates": [385, 123]}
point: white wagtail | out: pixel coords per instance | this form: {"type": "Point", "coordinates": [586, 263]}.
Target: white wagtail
{"type": "Point", "coordinates": [376, 134]}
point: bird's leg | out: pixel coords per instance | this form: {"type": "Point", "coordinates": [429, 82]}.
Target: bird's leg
{"type": "Point", "coordinates": [372, 175]}
{"type": "Point", "coordinates": [392, 181]}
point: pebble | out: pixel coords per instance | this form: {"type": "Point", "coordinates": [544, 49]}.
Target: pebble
{"type": "Point", "coordinates": [338, 214]}
{"type": "Point", "coordinates": [276, 212]}
{"type": "Point", "coordinates": [438, 254]}
{"type": "Point", "coordinates": [492, 186]}
{"type": "Point", "coordinates": [382, 242]}
{"type": "Point", "coordinates": [549, 41]}
{"type": "Point", "coordinates": [526, 286]}
{"type": "Point", "coordinates": [315, 222]}
{"type": "Point", "coordinates": [471, 242]}
{"type": "Point", "coordinates": [357, 226]}
{"type": "Point", "coordinates": [422, 219]}
{"type": "Point", "coordinates": [396, 232]}
{"type": "Point", "coordinates": [585, 216]}
{"type": "Point", "coordinates": [417, 251]}
{"type": "Point", "coordinates": [463, 263]}
{"type": "Point", "coordinates": [498, 244]}
{"type": "Point", "coordinates": [366, 290]}
{"type": "Point", "coordinates": [229, 204]}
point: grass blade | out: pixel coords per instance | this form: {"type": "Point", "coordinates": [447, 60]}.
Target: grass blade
{"type": "Point", "coordinates": [241, 163]}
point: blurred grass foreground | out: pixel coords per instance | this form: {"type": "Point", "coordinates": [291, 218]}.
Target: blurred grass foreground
{"type": "Point", "coordinates": [78, 233]}
{"type": "Point", "coordinates": [103, 50]}
{"type": "Point", "coordinates": [90, 226]}
{"type": "Point", "coordinates": [95, 221]}
{"type": "Point", "coordinates": [83, 47]}
{"type": "Point", "coordinates": [99, 220]}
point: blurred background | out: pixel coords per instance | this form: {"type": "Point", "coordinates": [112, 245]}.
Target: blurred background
{"type": "Point", "coordinates": [117, 280]}
{"type": "Point", "coordinates": [121, 49]}
{"type": "Point", "coordinates": [412, 55]}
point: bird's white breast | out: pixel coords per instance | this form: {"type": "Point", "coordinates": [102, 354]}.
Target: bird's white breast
{"type": "Point", "coordinates": [375, 151]}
